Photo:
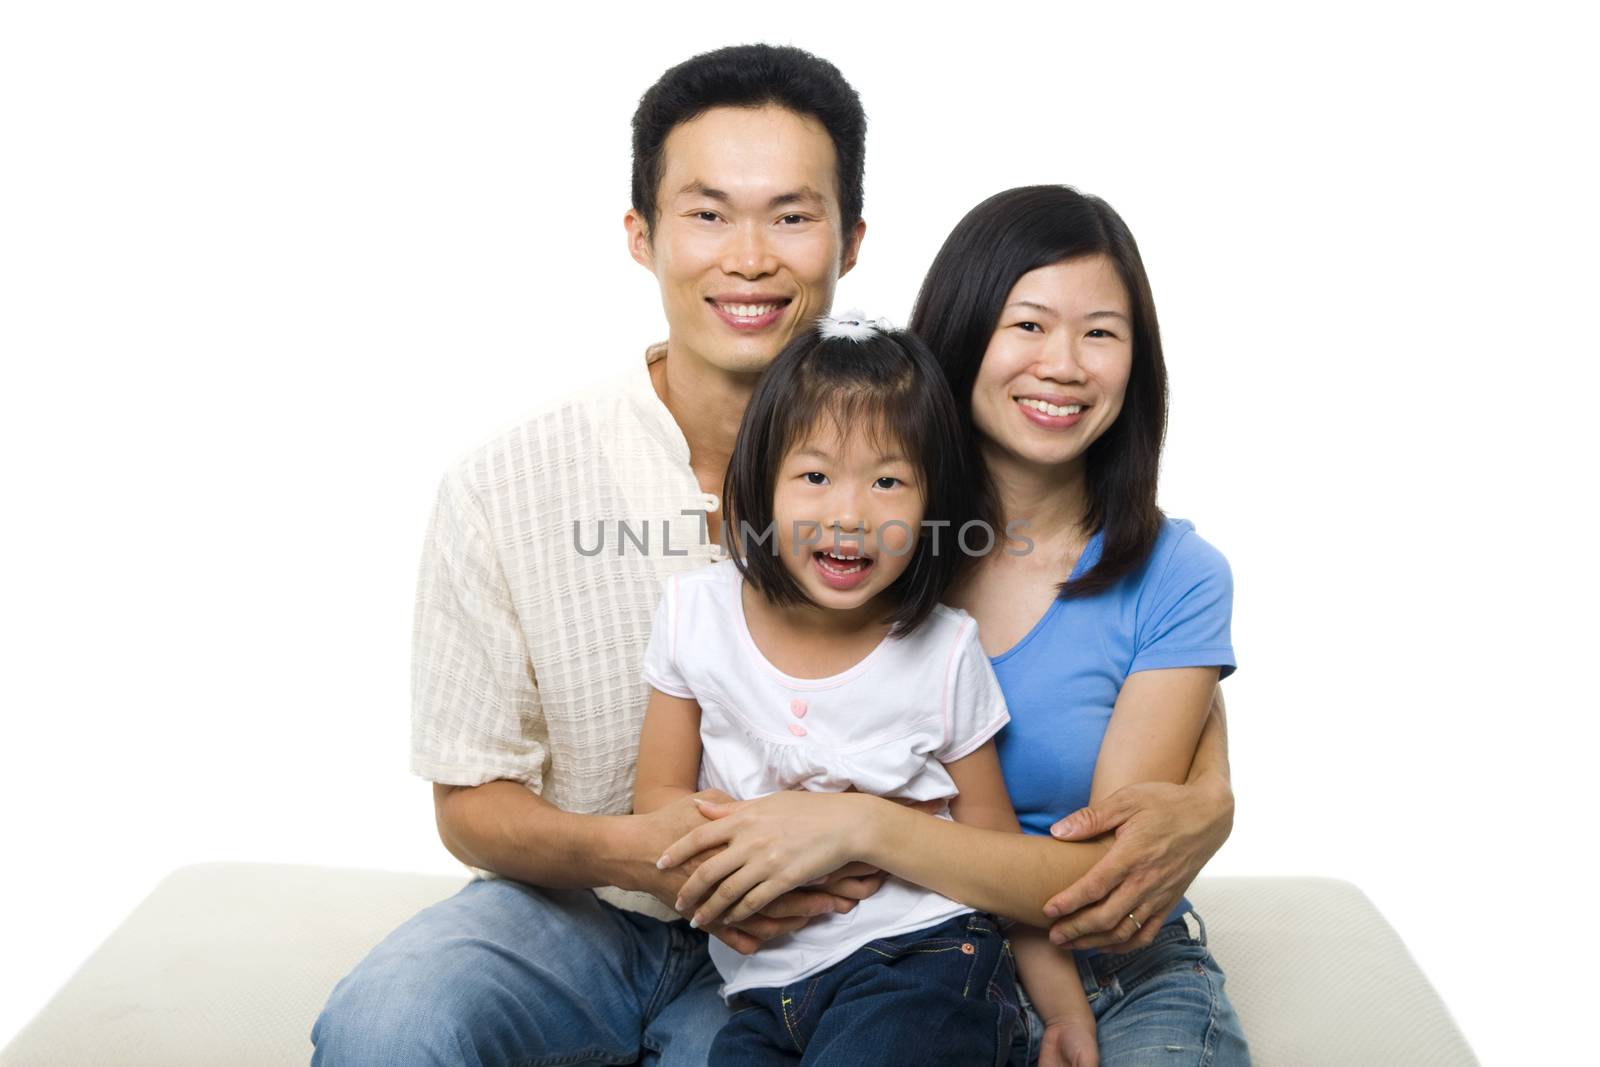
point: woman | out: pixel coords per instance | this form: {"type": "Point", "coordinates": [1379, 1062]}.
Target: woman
{"type": "Point", "coordinates": [1106, 622]}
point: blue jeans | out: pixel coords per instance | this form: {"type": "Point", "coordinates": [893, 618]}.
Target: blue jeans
{"type": "Point", "coordinates": [506, 974]}
{"type": "Point", "coordinates": [945, 995]}
{"type": "Point", "coordinates": [1160, 1005]}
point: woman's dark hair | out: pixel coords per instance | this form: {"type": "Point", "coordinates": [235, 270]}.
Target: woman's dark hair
{"type": "Point", "coordinates": [751, 75]}
{"type": "Point", "coordinates": [959, 305]}
{"type": "Point", "coordinates": [886, 385]}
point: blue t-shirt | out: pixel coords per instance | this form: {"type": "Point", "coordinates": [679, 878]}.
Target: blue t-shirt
{"type": "Point", "coordinates": [1062, 679]}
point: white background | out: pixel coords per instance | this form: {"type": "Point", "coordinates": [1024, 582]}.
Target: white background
{"type": "Point", "coordinates": [266, 269]}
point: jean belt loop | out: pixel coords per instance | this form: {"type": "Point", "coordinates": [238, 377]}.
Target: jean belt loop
{"type": "Point", "coordinates": [1091, 983]}
{"type": "Point", "coordinates": [1199, 925]}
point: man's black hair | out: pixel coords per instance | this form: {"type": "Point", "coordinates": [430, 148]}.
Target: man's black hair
{"type": "Point", "coordinates": [751, 75]}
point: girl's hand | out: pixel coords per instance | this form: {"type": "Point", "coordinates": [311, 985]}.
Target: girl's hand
{"type": "Point", "coordinates": [1069, 1045]}
{"type": "Point", "coordinates": [771, 845]}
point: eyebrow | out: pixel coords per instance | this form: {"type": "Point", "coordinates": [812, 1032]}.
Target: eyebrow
{"type": "Point", "coordinates": [1108, 315]}
{"type": "Point", "coordinates": [803, 195]}
{"type": "Point", "coordinates": [893, 457]}
{"type": "Point", "coordinates": [1050, 310]}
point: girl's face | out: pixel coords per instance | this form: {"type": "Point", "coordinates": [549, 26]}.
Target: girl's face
{"type": "Point", "coordinates": [847, 514]}
{"type": "Point", "coordinates": [1056, 370]}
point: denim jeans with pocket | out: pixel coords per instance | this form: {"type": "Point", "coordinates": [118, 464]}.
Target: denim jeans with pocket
{"type": "Point", "coordinates": [506, 974]}
{"type": "Point", "coordinates": [945, 995]}
{"type": "Point", "coordinates": [1159, 1005]}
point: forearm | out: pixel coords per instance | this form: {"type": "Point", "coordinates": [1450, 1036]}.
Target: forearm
{"type": "Point", "coordinates": [1010, 874]}
{"type": "Point", "coordinates": [1048, 974]}
{"type": "Point", "coordinates": [654, 797]}
{"type": "Point", "coordinates": [501, 826]}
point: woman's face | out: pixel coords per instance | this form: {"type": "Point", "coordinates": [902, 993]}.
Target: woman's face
{"type": "Point", "coordinates": [1056, 369]}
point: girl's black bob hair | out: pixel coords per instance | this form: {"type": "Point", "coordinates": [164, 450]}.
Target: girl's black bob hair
{"type": "Point", "coordinates": [886, 385]}
{"type": "Point", "coordinates": [956, 312]}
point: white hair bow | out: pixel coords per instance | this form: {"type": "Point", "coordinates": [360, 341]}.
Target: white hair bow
{"type": "Point", "coordinates": [851, 326]}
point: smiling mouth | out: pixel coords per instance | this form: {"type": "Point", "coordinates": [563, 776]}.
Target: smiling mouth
{"type": "Point", "coordinates": [1046, 408]}
{"type": "Point", "coordinates": [749, 315]}
{"type": "Point", "coordinates": [842, 566]}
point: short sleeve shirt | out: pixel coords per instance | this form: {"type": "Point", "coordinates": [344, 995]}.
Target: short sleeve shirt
{"type": "Point", "coordinates": [1062, 678]}
{"type": "Point", "coordinates": [543, 560]}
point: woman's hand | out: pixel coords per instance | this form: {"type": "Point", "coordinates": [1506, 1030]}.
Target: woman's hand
{"type": "Point", "coordinates": [770, 846]}
{"type": "Point", "coordinates": [1164, 835]}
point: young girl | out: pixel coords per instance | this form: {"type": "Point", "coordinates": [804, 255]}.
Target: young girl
{"type": "Point", "coordinates": [818, 657]}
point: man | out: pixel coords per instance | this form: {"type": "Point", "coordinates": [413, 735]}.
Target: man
{"type": "Point", "coordinates": [542, 568]}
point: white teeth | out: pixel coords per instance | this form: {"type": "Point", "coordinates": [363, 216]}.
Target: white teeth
{"type": "Point", "coordinates": [747, 311]}
{"type": "Point", "coordinates": [1048, 408]}
{"type": "Point", "coordinates": [857, 562]}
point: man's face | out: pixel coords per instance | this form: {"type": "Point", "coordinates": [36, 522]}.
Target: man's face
{"type": "Point", "coordinates": [747, 245]}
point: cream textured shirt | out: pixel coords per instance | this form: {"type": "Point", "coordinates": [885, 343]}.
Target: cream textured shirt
{"type": "Point", "coordinates": [541, 570]}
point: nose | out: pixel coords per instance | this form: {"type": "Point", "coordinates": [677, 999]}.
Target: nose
{"type": "Point", "coordinates": [847, 511]}
{"type": "Point", "coordinates": [748, 253]}
{"type": "Point", "coordinates": [1059, 361]}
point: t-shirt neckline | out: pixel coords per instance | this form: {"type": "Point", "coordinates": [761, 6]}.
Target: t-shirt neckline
{"type": "Point", "coordinates": [742, 626]}
{"type": "Point", "coordinates": [1086, 558]}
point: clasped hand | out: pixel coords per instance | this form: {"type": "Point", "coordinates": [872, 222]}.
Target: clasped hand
{"type": "Point", "coordinates": [836, 891]}
{"type": "Point", "coordinates": [770, 846]}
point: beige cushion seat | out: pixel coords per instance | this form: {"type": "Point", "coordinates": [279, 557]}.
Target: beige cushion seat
{"type": "Point", "coordinates": [230, 963]}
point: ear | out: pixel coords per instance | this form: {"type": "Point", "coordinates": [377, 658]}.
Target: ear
{"type": "Point", "coordinates": [852, 247]}
{"type": "Point", "coordinates": [639, 240]}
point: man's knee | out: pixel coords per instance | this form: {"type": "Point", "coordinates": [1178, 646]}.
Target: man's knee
{"type": "Point", "coordinates": [383, 1014]}
{"type": "Point", "coordinates": [494, 974]}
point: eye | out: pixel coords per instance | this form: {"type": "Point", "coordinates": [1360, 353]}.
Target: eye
{"type": "Point", "coordinates": [794, 220]}
{"type": "Point", "coordinates": [1097, 332]}
{"type": "Point", "coordinates": [707, 216]}
{"type": "Point", "coordinates": [1030, 327]}
{"type": "Point", "coordinates": [815, 478]}
{"type": "Point", "coordinates": [886, 478]}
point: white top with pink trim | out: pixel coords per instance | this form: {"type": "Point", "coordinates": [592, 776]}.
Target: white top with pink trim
{"type": "Point", "coordinates": [886, 726]}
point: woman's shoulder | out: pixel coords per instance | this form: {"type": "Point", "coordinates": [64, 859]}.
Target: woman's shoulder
{"type": "Point", "coordinates": [1181, 554]}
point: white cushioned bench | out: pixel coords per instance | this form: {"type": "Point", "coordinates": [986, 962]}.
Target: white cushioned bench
{"type": "Point", "coordinates": [230, 963]}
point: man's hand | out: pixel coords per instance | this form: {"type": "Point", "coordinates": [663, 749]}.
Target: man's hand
{"type": "Point", "coordinates": [852, 883]}
{"type": "Point", "coordinates": [1164, 835]}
